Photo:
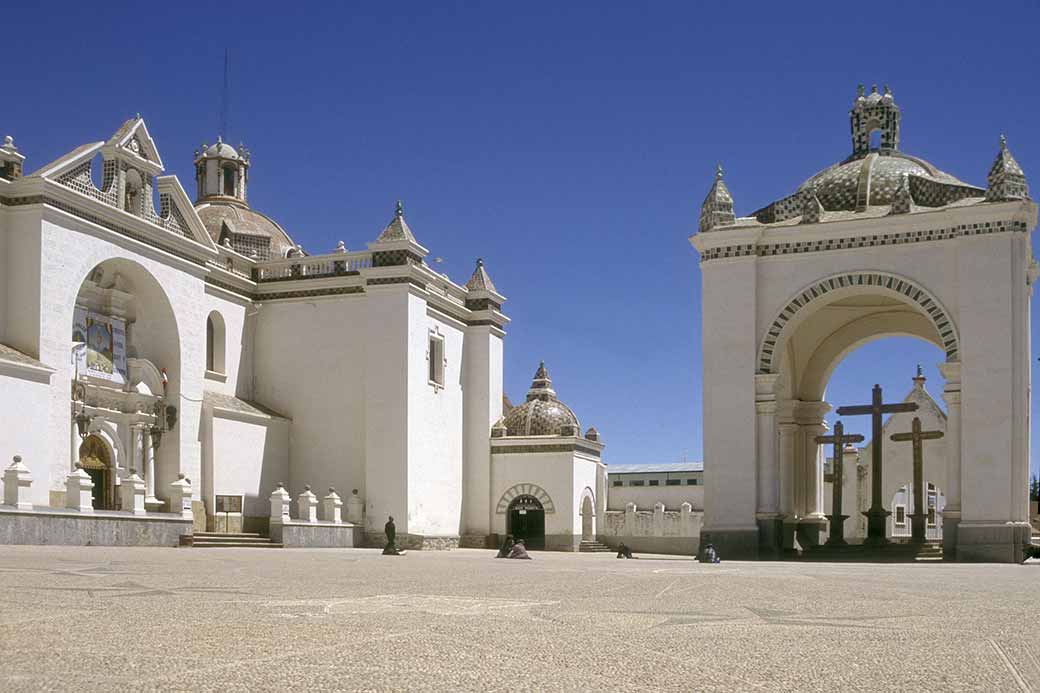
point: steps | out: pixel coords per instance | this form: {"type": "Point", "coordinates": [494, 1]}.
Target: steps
{"type": "Point", "coordinates": [211, 540]}
{"type": "Point", "coordinates": [594, 547]}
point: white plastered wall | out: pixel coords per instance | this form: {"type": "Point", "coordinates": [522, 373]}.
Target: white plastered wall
{"type": "Point", "coordinates": [250, 455]}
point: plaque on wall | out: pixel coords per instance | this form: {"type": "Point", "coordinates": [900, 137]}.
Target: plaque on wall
{"type": "Point", "coordinates": [229, 504]}
{"type": "Point", "coordinates": [104, 340]}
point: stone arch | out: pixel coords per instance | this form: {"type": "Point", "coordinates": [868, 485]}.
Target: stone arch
{"type": "Point", "coordinates": [884, 282]}
{"type": "Point", "coordinates": [528, 490]}
{"type": "Point", "coordinates": [587, 511]}
{"type": "Point", "coordinates": [108, 433]}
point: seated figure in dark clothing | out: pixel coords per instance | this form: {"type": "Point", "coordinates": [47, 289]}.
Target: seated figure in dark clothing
{"type": "Point", "coordinates": [519, 550]}
{"type": "Point", "coordinates": [624, 552]}
{"type": "Point", "coordinates": [710, 555]}
{"type": "Point", "coordinates": [507, 546]}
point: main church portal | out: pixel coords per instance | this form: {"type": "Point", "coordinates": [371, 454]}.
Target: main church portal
{"type": "Point", "coordinates": [527, 521]}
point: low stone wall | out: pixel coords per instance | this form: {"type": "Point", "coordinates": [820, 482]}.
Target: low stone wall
{"type": "Point", "coordinates": [101, 528]}
{"type": "Point", "coordinates": [659, 531]}
{"type": "Point", "coordinates": [412, 542]}
{"type": "Point", "coordinates": [315, 535]}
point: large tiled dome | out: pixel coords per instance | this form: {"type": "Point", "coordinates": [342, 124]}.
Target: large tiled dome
{"type": "Point", "coordinates": [542, 414]}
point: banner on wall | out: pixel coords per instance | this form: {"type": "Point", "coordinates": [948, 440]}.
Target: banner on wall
{"type": "Point", "coordinates": [105, 338]}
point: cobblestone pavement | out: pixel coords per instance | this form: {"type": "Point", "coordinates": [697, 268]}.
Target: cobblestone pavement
{"type": "Point", "coordinates": [96, 618]}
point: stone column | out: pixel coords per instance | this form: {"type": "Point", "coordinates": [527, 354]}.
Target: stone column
{"type": "Point", "coordinates": [951, 515]}
{"type": "Point", "coordinates": [813, 522]}
{"type": "Point", "coordinates": [132, 490]}
{"type": "Point", "coordinates": [786, 455]}
{"type": "Point", "coordinates": [768, 515]}
{"type": "Point", "coordinates": [78, 488]}
{"type": "Point", "coordinates": [148, 464]}
{"type": "Point", "coordinates": [74, 444]}
{"type": "Point", "coordinates": [332, 507]}
{"type": "Point", "coordinates": [355, 508]}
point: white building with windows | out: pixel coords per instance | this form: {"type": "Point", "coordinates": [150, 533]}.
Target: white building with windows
{"type": "Point", "coordinates": [190, 357]}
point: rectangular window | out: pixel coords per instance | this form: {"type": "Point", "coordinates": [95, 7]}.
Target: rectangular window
{"type": "Point", "coordinates": [654, 482]}
{"type": "Point", "coordinates": [691, 482]}
{"type": "Point", "coordinates": [618, 483]}
{"type": "Point", "coordinates": [637, 482]}
{"type": "Point", "coordinates": [672, 482]}
{"type": "Point", "coordinates": [900, 515]}
{"type": "Point", "coordinates": [436, 358]}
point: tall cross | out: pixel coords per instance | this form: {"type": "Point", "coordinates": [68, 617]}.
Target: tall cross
{"type": "Point", "coordinates": [839, 438]}
{"type": "Point", "coordinates": [877, 515]}
{"type": "Point", "coordinates": [917, 437]}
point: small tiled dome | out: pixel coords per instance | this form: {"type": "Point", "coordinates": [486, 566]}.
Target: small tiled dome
{"type": "Point", "coordinates": [542, 414]}
{"type": "Point", "coordinates": [221, 149]}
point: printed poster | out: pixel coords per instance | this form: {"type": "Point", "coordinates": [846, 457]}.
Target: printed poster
{"type": "Point", "coordinates": [104, 337]}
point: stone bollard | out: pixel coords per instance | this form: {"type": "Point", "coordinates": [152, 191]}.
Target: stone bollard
{"type": "Point", "coordinates": [133, 492]}
{"type": "Point", "coordinates": [332, 507]}
{"type": "Point", "coordinates": [686, 516]}
{"type": "Point", "coordinates": [630, 519]}
{"type": "Point", "coordinates": [78, 491]}
{"type": "Point", "coordinates": [279, 505]}
{"type": "Point", "coordinates": [355, 508]}
{"type": "Point", "coordinates": [180, 497]}
{"type": "Point", "coordinates": [17, 484]}
{"type": "Point", "coordinates": [307, 506]}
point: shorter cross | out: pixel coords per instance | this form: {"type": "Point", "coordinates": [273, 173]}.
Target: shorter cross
{"type": "Point", "coordinates": [839, 439]}
{"type": "Point", "coordinates": [917, 437]}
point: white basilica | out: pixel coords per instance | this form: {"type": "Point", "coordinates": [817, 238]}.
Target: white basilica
{"type": "Point", "coordinates": [169, 366]}
{"type": "Point", "coordinates": [880, 243]}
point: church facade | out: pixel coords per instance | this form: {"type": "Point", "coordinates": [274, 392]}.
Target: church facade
{"type": "Point", "coordinates": [880, 243]}
{"type": "Point", "coordinates": [165, 358]}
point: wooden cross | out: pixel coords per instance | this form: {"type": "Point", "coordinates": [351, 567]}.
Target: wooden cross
{"type": "Point", "coordinates": [876, 516]}
{"type": "Point", "coordinates": [917, 437]}
{"type": "Point", "coordinates": [839, 439]}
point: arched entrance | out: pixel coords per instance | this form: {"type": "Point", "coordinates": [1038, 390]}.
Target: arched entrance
{"type": "Point", "coordinates": [588, 529]}
{"type": "Point", "coordinates": [525, 520]}
{"type": "Point", "coordinates": [96, 461]}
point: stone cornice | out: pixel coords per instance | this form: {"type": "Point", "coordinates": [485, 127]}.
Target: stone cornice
{"type": "Point", "coordinates": [936, 225]}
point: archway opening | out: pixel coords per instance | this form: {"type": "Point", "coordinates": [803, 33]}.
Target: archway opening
{"type": "Point", "coordinates": [96, 461]}
{"type": "Point", "coordinates": [588, 529]}
{"type": "Point", "coordinates": [526, 520]}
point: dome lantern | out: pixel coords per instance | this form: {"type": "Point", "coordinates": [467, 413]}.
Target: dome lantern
{"type": "Point", "coordinates": [221, 171]}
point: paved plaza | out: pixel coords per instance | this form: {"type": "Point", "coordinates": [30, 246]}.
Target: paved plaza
{"type": "Point", "coordinates": [95, 618]}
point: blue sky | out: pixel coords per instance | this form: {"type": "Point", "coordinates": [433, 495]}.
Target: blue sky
{"type": "Point", "coordinates": [568, 144]}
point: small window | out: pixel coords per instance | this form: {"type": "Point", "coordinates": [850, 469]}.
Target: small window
{"type": "Point", "coordinates": [931, 516]}
{"type": "Point", "coordinates": [900, 516]}
{"type": "Point", "coordinates": [637, 482]}
{"type": "Point", "coordinates": [672, 482]}
{"type": "Point", "coordinates": [654, 482]}
{"type": "Point", "coordinates": [617, 483]}
{"type": "Point", "coordinates": [215, 343]}
{"type": "Point", "coordinates": [229, 181]}
{"type": "Point", "coordinates": [436, 356]}
{"type": "Point", "coordinates": [691, 482]}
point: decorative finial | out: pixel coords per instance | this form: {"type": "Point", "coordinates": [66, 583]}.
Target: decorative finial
{"type": "Point", "coordinates": [920, 372]}
{"type": "Point", "coordinates": [718, 170]}
{"type": "Point", "coordinates": [873, 88]}
{"type": "Point", "coordinates": [220, 139]}
{"type": "Point", "coordinates": [341, 247]}
{"type": "Point", "coordinates": [480, 262]}
{"type": "Point", "coordinates": [888, 92]}
{"type": "Point", "coordinates": [400, 209]}
{"type": "Point", "coordinates": [138, 116]}
{"type": "Point", "coordinates": [859, 91]}
{"type": "Point", "coordinates": [1003, 141]}
{"type": "Point", "coordinates": [307, 487]}
{"type": "Point", "coordinates": [332, 489]}
{"type": "Point", "coordinates": [8, 142]}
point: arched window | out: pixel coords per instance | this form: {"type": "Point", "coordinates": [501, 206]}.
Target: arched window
{"type": "Point", "coordinates": [215, 343]}
{"type": "Point", "coordinates": [229, 181]}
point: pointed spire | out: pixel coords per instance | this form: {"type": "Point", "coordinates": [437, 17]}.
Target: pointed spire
{"type": "Point", "coordinates": [397, 229]}
{"type": "Point", "coordinates": [541, 385]}
{"type": "Point", "coordinates": [902, 201]}
{"type": "Point", "coordinates": [812, 210]}
{"type": "Point", "coordinates": [1006, 180]}
{"type": "Point", "coordinates": [919, 377]}
{"type": "Point", "coordinates": [717, 208]}
{"type": "Point", "coordinates": [479, 280]}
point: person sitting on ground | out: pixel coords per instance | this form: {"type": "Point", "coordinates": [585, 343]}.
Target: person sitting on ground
{"type": "Point", "coordinates": [624, 552]}
{"type": "Point", "coordinates": [519, 550]}
{"type": "Point", "coordinates": [507, 546]}
{"type": "Point", "coordinates": [710, 555]}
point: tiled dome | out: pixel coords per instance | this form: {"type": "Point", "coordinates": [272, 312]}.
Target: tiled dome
{"type": "Point", "coordinates": [542, 414]}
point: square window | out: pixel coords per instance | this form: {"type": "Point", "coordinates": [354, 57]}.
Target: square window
{"type": "Point", "coordinates": [618, 483]}
{"type": "Point", "coordinates": [436, 360]}
{"type": "Point", "coordinates": [655, 482]}
{"type": "Point", "coordinates": [691, 482]}
{"type": "Point", "coordinates": [672, 482]}
{"type": "Point", "coordinates": [637, 482]}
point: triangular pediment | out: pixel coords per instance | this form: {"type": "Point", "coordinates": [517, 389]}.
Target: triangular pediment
{"type": "Point", "coordinates": [133, 139]}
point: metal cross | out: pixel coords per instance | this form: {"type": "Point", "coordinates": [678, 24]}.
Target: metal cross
{"type": "Point", "coordinates": [917, 437]}
{"type": "Point", "coordinates": [877, 515]}
{"type": "Point", "coordinates": [839, 439]}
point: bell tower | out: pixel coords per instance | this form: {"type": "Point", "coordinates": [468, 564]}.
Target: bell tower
{"type": "Point", "coordinates": [869, 114]}
{"type": "Point", "coordinates": [221, 172]}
